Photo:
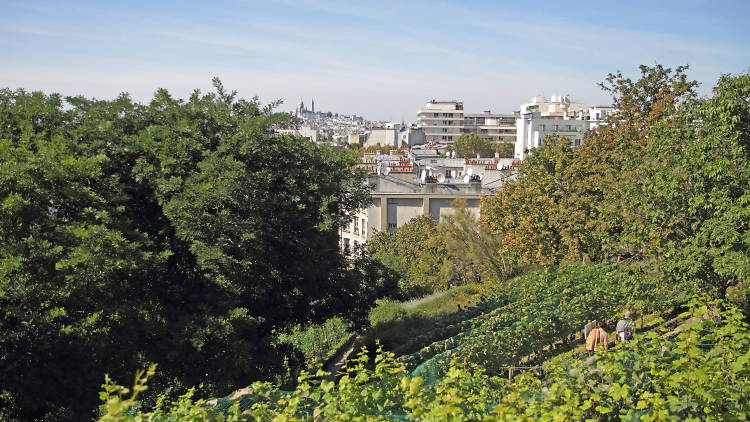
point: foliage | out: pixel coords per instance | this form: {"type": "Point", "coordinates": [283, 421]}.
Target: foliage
{"type": "Point", "coordinates": [469, 145]}
{"type": "Point", "coordinates": [538, 310]}
{"type": "Point", "coordinates": [416, 251]}
{"type": "Point", "coordinates": [319, 341]}
{"type": "Point", "coordinates": [401, 326]}
{"type": "Point", "coordinates": [177, 231]}
{"type": "Point", "coordinates": [664, 186]}
{"type": "Point", "coordinates": [533, 217]}
{"type": "Point", "coordinates": [473, 253]}
{"type": "Point", "coordinates": [699, 374]}
{"type": "Point", "coordinates": [387, 312]}
{"type": "Point", "coordinates": [688, 206]}
{"type": "Point", "coordinates": [431, 256]}
{"type": "Point", "coordinates": [505, 149]}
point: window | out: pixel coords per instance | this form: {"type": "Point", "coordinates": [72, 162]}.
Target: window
{"type": "Point", "coordinates": [435, 114]}
{"type": "Point", "coordinates": [445, 130]}
{"type": "Point", "coordinates": [391, 227]}
{"type": "Point", "coordinates": [356, 225]}
{"type": "Point", "coordinates": [364, 225]}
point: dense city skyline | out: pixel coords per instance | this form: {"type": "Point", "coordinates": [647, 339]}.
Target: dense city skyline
{"type": "Point", "coordinates": [380, 61]}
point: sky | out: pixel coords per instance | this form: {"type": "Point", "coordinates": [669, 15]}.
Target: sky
{"type": "Point", "coordinates": [379, 59]}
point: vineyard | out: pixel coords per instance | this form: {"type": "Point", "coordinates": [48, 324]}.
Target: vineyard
{"type": "Point", "coordinates": [525, 318]}
{"type": "Point", "coordinates": [698, 372]}
{"type": "Point", "coordinates": [138, 236]}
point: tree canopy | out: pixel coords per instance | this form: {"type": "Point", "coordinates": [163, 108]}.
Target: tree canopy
{"type": "Point", "coordinates": [469, 145]}
{"type": "Point", "coordinates": [181, 232]}
{"type": "Point", "coordinates": [664, 186]}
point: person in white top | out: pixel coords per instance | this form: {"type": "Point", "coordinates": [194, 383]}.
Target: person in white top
{"type": "Point", "coordinates": [624, 327]}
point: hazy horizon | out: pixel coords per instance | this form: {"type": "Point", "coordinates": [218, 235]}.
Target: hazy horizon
{"type": "Point", "coordinates": [380, 61]}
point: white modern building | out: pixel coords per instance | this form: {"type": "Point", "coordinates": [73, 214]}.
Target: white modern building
{"type": "Point", "coordinates": [542, 117]}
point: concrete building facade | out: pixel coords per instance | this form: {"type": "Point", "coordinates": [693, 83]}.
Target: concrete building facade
{"type": "Point", "coordinates": [396, 201]}
{"type": "Point", "coordinates": [441, 121]}
{"type": "Point", "coordinates": [444, 122]}
{"type": "Point", "coordinates": [542, 117]}
{"type": "Point", "coordinates": [493, 127]}
{"type": "Point", "coordinates": [408, 186]}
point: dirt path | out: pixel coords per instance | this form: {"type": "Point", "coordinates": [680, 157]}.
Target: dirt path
{"type": "Point", "coordinates": [334, 367]}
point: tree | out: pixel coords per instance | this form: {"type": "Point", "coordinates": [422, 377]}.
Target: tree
{"type": "Point", "coordinates": [566, 205]}
{"type": "Point", "coordinates": [505, 149]}
{"type": "Point", "coordinates": [473, 253]}
{"type": "Point", "coordinates": [687, 206]}
{"type": "Point", "coordinates": [416, 251]}
{"type": "Point", "coordinates": [469, 145]}
{"type": "Point", "coordinates": [528, 215]}
{"type": "Point", "coordinates": [173, 232]}
{"type": "Point", "coordinates": [664, 187]}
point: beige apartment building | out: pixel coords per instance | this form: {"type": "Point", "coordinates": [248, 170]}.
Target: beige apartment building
{"type": "Point", "coordinates": [493, 127]}
{"type": "Point", "coordinates": [398, 196]}
{"type": "Point", "coordinates": [441, 121]}
{"type": "Point", "coordinates": [444, 122]}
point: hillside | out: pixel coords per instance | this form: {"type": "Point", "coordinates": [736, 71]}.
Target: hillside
{"type": "Point", "coordinates": [698, 370]}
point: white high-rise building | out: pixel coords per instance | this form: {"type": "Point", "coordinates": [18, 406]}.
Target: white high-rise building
{"type": "Point", "coordinates": [542, 117]}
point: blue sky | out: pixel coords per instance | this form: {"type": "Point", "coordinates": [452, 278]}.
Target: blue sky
{"type": "Point", "coordinates": [382, 60]}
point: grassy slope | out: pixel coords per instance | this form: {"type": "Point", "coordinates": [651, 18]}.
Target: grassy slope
{"type": "Point", "coordinates": [394, 323]}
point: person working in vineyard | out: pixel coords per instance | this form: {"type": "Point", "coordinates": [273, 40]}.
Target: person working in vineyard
{"type": "Point", "coordinates": [597, 339]}
{"type": "Point", "coordinates": [624, 328]}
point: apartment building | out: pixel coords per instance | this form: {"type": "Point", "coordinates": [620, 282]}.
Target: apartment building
{"type": "Point", "coordinates": [396, 201]}
{"type": "Point", "coordinates": [493, 127]}
{"type": "Point", "coordinates": [444, 122]}
{"type": "Point", "coordinates": [408, 186]}
{"type": "Point", "coordinates": [441, 121]}
{"type": "Point", "coordinates": [542, 117]}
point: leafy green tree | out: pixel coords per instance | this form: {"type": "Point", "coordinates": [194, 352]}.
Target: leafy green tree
{"type": "Point", "coordinates": [505, 149]}
{"type": "Point", "coordinates": [416, 251]}
{"type": "Point", "coordinates": [526, 215]}
{"type": "Point", "coordinates": [471, 144]}
{"type": "Point", "coordinates": [177, 231]}
{"type": "Point", "coordinates": [473, 253]}
{"type": "Point", "coordinates": [664, 187]}
{"type": "Point", "coordinates": [687, 206]}
{"type": "Point", "coordinates": [566, 205]}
